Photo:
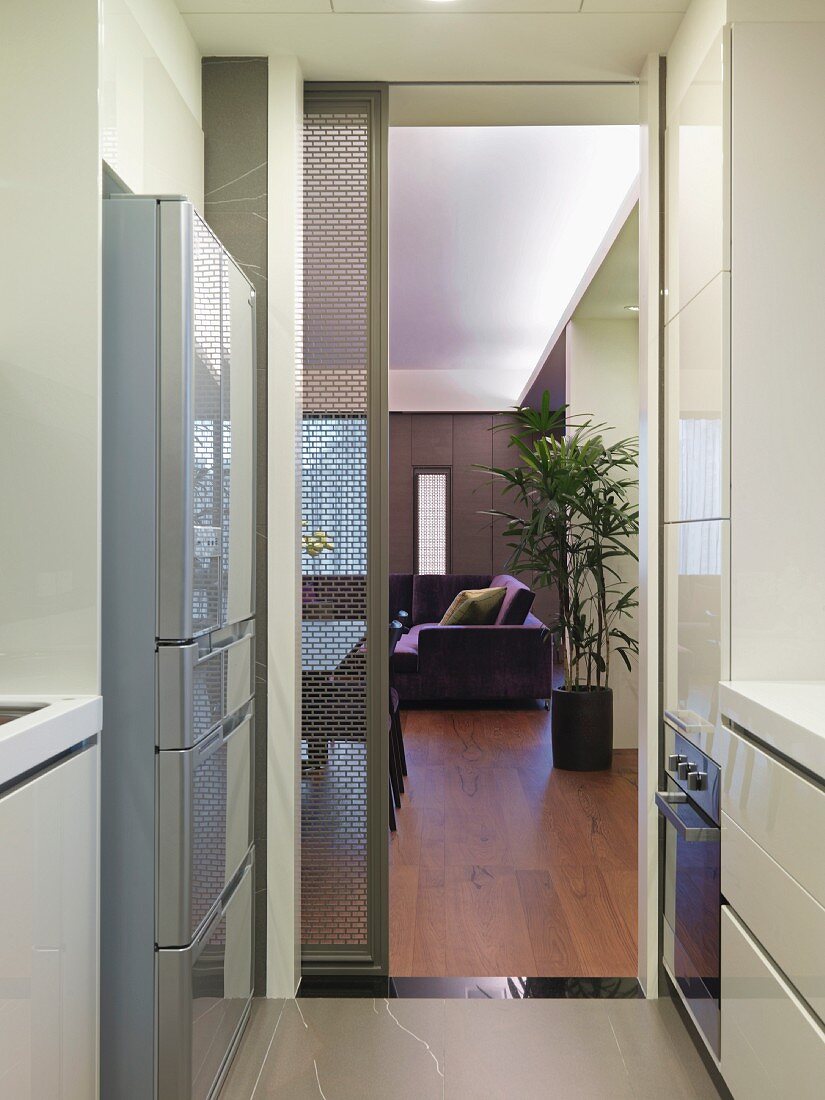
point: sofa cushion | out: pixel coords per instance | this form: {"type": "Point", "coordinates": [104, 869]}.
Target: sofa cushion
{"type": "Point", "coordinates": [474, 607]}
{"type": "Point", "coordinates": [518, 599]}
{"type": "Point", "coordinates": [433, 593]}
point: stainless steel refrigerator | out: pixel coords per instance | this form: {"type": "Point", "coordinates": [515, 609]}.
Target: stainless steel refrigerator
{"type": "Point", "coordinates": [178, 565]}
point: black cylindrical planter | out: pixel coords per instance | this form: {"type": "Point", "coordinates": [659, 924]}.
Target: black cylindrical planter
{"type": "Point", "coordinates": [582, 728]}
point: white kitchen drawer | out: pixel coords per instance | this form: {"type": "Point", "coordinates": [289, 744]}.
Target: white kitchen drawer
{"type": "Point", "coordinates": [771, 1044]}
{"type": "Point", "coordinates": [778, 808]}
{"type": "Point", "coordinates": [784, 918]}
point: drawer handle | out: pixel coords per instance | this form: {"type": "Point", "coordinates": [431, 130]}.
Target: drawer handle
{"type": "Point", "coordinates": [702, 834]}
{"type": "Point", "coordinates": [233, 637]}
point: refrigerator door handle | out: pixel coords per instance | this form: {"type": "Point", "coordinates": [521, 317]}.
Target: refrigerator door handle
{"type": "Point", "coordinates": [224, 732]}
{"type": "Point", "coordinates": [224, 639]}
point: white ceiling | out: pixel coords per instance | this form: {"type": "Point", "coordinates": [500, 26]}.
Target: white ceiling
{"type": "Point", "coordinates": [491, 231]}
{"type": "Point", "coordinates": [403, 40]}
{"type": "Point", "coordinates": [615, 286]}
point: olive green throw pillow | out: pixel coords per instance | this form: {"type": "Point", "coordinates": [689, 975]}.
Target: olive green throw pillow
{"type": "Point", "coordinates": [474, 607]}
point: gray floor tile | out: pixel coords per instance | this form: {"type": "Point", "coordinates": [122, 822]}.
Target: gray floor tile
{"type": "Point", "coordinates": [356, 1050]}
{"type": "Point", "coordinates": [466, 1050]}
{"type": "Point", "coordinates": [246, 1067]}
{"type": "Point", "coordinates": [497, 1050]}
{"type": "Point", "coordinates": [658, 1052]}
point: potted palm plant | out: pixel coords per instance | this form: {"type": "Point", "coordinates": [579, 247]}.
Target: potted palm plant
{"type": "Point", "coordinates": [574, 518]}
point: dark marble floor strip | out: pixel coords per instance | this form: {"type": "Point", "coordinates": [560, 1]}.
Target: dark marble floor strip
{"type": "Point", "coordinates": [495, 988]}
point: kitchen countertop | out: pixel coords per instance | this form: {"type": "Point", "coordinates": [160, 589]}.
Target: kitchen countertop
{"type": "Point", "coordinates": [62, 721]}
{"type": "Point", "coordinates": [787, 715]}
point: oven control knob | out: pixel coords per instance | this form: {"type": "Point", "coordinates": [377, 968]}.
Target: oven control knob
{"type": "Point", "coordinates": [674, 760]}
{"type": "Point", "coordinates": [697, 781]}
{"type": "Point", "coordinates": [685, 768]}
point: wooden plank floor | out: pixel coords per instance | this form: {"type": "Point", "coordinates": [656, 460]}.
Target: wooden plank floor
{"type": "Point", "coordinates": [502, 865]}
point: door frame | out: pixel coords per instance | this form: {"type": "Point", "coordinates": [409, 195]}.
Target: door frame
{"type": "Point", "coordinates": [651, 86]}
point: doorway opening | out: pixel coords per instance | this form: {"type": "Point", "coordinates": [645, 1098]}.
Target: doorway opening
{"type": "Point", "coordinates": [513, 273]}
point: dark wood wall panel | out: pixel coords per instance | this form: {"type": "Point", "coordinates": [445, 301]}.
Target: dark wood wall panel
{"type": "Point", "coordinates": [432, 438]}
{"type": "Point", "coordinates": [457, 440]}
{"type": "Point", "coordinates": [401, 495]}
{"type": "Point", "coordinates": [472, 494]}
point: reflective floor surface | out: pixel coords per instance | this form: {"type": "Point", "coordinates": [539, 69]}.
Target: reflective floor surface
{"type": "Point", "coordinates": [417, 1049]}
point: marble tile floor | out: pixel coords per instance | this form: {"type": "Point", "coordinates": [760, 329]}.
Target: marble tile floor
{"type": "Point", "coordinates": [363, 1049]}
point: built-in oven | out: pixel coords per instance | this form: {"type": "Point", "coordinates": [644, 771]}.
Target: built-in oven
{"type": "Point", "coordinates": [689, 808]}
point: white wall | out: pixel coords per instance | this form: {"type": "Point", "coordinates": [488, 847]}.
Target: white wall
{"type": "Point", "coordinates": [49, 347]}
{"type": "Point", "coordinates": [603, 380]}
{"type": "Point", "coordinates": [285, 186]}
{"type": "Point", "coordinates": [150, 107]}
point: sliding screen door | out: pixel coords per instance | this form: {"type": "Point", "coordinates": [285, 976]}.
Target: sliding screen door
{"type": "Point", "coordinates": [343, 476]}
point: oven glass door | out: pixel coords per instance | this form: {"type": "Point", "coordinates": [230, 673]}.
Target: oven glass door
{"type": "Point", "coordinates": [692, 906]}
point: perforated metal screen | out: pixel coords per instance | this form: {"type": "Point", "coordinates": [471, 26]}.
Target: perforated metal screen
{"type": "Point", "coordinates": [334, 467]}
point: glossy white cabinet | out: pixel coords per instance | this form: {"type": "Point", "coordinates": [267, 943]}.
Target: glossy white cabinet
{"type": "Point", "coordinates": [778, 808]}
{"type": "Point", "coordinates": [772, 1046]}
{"type": "Point", "coordinates": [697, 398]}
{"type": "Point", "coordinates": [696, 641]}
{"type": "Point", "coordinates": [696, 169]}
{"type": "Point", "coordinates": [49, 941]}
{"type": "Point", "coordinates": [780, 914]}
{"type": "Point", "coordinates": [777, 351]}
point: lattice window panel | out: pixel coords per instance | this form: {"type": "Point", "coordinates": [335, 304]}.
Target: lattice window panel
{"type": "Point", "coordinates": [336, 191]}
{"type": "Point", "coordinates": [432, 521]}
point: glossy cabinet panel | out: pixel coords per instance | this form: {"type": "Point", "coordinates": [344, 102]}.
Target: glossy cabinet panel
{"type": "Point", "coordinates": [48, 951]}
{"type": "Point", "coordinates": [782, 916]}
{"type": "Point", "coordinates": [150, 100]}
{"type": "Point", "coordinates": [696, 162]}
{"type": "Point", "coordinates": [777, 380]}
{"type": "Point", "coordinates": [778, 808]}
{"type": "Point", "coordinates": [697, 429]}
{"type": "Point", "coordinates": [771, 1044]}
{"type": "Point", "coordinates": [696, 620]}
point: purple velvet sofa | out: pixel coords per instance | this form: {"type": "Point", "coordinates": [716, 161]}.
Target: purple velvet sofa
{"type": "Point", "coordinates": [508, 660]}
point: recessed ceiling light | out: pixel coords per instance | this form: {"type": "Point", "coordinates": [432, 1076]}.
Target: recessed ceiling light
{"type": "Point", "coordinates": [632, 309]}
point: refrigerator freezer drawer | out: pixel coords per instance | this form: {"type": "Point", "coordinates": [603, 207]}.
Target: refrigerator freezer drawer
{"type": "Point", "coordinates": [204, 993]}
{"type": "Point", "coordinates": [201, 683]}
{"type": "Point", "coordinates": [204, 825]}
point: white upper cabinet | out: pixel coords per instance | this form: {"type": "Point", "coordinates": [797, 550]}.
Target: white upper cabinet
{"type": "Point", "coordinates": [696, 641]}
{"type": "Point", "coordinates": [697, 384]}
{"type": "Point", "coordinates": [696, 215]}
{"type": "Point", "coordinates": [778, 351]}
